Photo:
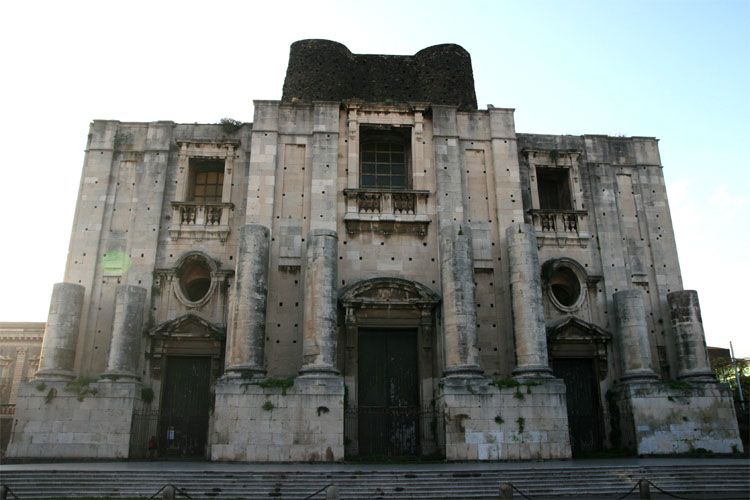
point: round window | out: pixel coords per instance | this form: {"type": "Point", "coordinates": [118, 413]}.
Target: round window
{"type": "Point", "coordinates": [565, 287]}
{"type": "Point", "coordinates": [195, 279]}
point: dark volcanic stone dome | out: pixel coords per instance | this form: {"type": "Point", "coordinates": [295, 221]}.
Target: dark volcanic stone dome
{"type": "Point", "coordinates": [322, 70]}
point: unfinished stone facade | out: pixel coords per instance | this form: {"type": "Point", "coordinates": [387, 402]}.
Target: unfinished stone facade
{"type": "Point", "coordinates": [373, 267]}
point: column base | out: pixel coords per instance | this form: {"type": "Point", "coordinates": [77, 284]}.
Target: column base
{"type": "Point", "coordinates": [639, 376]}
{"type": "Point", "coordinates": [668, 418]}
{"type": "Point", "coordinates": [114, 376]}
{"type": "Point", "coordinates": [302, 423]}
{"type": "Point", "coordinates": [244, 371]}
{"type": "Point", "coordinates": [318, 371]}
{"type": "Point", "coordinates": [533, 372]}
{"type": "Point", "coordinates": [54, 375]}
{"type": "Point", "coordinates": [481, 421]}
{"type": "Point", "coordinates": [463, 371]}
{"type": "Point", "coordinates": [697, 376]}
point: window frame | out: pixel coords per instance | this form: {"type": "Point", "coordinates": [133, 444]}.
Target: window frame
{"type": "Point", "coordinates": [380, 142]}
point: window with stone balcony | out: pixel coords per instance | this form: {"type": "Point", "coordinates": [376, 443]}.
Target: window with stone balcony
{"type": "Point", "coordinates": [385, 200]}
{"type": "Point", "coordinates": [202, 204]}
{"type": "Point", "coordinates": [557, 210]}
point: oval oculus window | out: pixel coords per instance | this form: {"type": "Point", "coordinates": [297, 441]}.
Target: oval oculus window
{"type": "Point", "coordinates": [195, 279]}
{"type": "Point", "coordinates": [565, 286]}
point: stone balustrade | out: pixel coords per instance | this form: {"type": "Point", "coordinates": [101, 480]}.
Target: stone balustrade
{"type": "Point", "coordinates": [557, 224]}
{"type": "Point", "coordinates": [200, 219]}
{"type": "Point", "coordinates": [386, 210]}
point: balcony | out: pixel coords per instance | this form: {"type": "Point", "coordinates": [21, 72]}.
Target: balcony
{"type": "Point", "coordinates": [200, 220]}
{"type": "Point", "coordinates": [386, 211]}
{"type": "Point", "coordinates": [561, 227]}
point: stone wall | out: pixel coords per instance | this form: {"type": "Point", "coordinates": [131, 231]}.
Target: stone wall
{"type": "Point", "coordinates": [259, 422]}
{"type": "Point", "coordinates": [664, 418]}
{"type": "Point", "coordinates": [507, 421]}
{"type": "Point", "coordinates": [322, 70]}
{"type": "Point", "coordinates": [57, 420]}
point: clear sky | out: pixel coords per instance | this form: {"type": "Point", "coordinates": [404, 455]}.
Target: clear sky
{"type": "Point", "coordinates": [677, 70]}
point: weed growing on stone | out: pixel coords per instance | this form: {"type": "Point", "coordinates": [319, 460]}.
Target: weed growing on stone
{"type": "Point", "coordinates": [81, 387]}
{"type": "Point", "coordinates": [273, 383]}
{"type": "Point", "coordinates": [147, 395]}
{"type": "Point", "coordinates": [40, 386]}
{"type": "Point", "coordinates": [521, 423]}
{"type": "Point", "coordinates": [501, 383]}
{"type": "Point", "coordinates": [268, 406]}
{"type": "Point", "coordinates": [50, 395]}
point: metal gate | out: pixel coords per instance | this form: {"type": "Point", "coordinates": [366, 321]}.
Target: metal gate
{"type": "Point", "coordinates": [183, 421]}
{"type": "Point", "coordinates": [582, 395]}
{"type": "Point", "coordinates": [388, 395]}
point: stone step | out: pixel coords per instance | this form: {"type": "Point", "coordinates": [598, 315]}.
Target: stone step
{"type": "Point", "coordinates": [728, 480]}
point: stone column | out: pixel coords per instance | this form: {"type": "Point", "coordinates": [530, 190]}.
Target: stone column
{"type": "Point", "coordinates": [127, 328]}
{"type": "Point", "coordinates": [247, 330]}
{"type": "Point", "coordinates": [61, 334]}
{"type": "Point", "coordinates": [632, 332]}
{"type": "Point", "coordinates": [529, 327]}
{"type": "Point", "coordinates": [319, 323]}
{"type": "Point", "coordinates": [456, 251]}
{"type": "Point", "coordinates": [687, 327]}
{"type": "Point", "coordinates": [459, 313]}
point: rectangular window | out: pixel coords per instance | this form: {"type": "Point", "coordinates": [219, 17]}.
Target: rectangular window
{"type": "Point", "coordinates": [554, 188]}
{"type": "Point", "coordinates": [384, 157]}
{"type": "Point", "coordinates": [207, 181]}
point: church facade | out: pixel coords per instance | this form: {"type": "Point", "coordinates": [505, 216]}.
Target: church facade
{"type": "Point", "coordinates": [373, 267]}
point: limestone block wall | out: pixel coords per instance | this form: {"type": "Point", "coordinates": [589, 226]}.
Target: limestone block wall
{"type": "Point", "coordinates": [302, 423]}
{"type": "Point", "coordinates": [663, 419]}
{"type": "Point", "coordinates": [510, 422]}
{"type": "Point", "coordinates": [55, 420]}
{"type": "Point", "coordinates": [625, 237]}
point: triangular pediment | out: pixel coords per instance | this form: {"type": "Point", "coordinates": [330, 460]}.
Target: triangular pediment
{"type": "Point", "coordinates": [189, 325]}
{"type": "Point", "coordinates": [574, 329]}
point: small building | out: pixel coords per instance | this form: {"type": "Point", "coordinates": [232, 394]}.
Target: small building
{"type": "Point", "coordinates": [20, 345]}
{"type": "Point", "coordinates": [373, 267]}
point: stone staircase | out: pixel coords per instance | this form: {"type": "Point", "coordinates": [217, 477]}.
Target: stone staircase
{"type": "Point", "coordinates": [401, 482]}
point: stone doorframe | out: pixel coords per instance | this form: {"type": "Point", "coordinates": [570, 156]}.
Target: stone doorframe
{"type": "Point", "coordinates": [572, 337]}
{"type": "Point", "coordinates": [384, 303]}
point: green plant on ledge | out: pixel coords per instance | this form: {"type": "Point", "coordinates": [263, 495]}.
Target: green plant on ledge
{"type": "Point", "coordinates": [499, 420]}
{"type": "Point", "coordinates": [273, 383]}
{"type": "Point", "coordinates": [80, 387]}
{"type": "Point", "coordinates": [268, 406]}
{"type": "Point", "coordinates": [40, 386]}
{"type": "Point", "coordinates": [502, 383]}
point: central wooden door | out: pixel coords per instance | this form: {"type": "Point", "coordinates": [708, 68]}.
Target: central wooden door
{"type": "Point", "coordinates": [388, 393]}
{"type": "Point", "coordinates": [185, 402]}
{"type": "Point", "coordinates": [582, 397]}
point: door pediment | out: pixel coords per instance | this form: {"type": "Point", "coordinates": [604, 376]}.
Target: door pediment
{"type": "Point", "coordinates": [388, 292]}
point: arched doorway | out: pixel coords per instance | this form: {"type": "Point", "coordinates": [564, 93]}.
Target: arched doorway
{"type": "Point", "coordinates": [388, 362]}
{"type": "Point", "coordinates": [578, 355]}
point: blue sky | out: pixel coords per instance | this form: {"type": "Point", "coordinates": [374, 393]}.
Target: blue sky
{"type": "Point", "coordinates": [675, 70]}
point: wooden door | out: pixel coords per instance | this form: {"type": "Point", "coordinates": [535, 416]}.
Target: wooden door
{"type": "Point", "coordinates": [388, 413]}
